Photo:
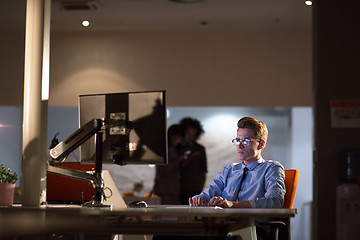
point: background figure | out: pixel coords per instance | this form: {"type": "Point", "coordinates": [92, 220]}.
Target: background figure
{"type": "Point", "coordinates": [138, 188]}
{"type": "Point", "coordinates": [193, 162]}
{"type": "Point", "coordinates": [167, 179]}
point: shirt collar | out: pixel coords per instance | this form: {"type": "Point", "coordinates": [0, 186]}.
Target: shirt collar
{"type": "Point", "coordinates": [253, 165]}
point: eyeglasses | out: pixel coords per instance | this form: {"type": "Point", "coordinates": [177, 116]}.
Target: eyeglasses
{"type": "Point", "coordinates": [244, 141]}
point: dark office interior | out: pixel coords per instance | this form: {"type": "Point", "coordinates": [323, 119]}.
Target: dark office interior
{"type": "Point", "coordinates": [269, 54]}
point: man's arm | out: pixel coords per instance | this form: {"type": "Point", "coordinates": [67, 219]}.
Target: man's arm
{"type": "Point", "coordinates": [216, 187]}
{"type": "Point", "coordinates": [218, 201]}
{"type": "Point", "coordinates": [275, 189]}
{"type": "Point", "coordinates": [186, 159]}
{"type": "Point", "coordinates": [222, 202]}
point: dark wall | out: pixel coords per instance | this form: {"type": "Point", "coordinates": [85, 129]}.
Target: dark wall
{"type": "Point", "coordinates": [336, 77]}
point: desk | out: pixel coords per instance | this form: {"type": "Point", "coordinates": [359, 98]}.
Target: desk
{"type": "Point", "coordinates": [171, 220]}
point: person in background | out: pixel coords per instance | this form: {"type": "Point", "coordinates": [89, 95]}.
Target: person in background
{"type": "Point", "coordinates": [193, 163]}
{"type": "Point", "coordinates": [253, 182]}
{"type": "Point", "coordinates": [167, 178]}
{"type": "Point", "coordinates": [138, 188]}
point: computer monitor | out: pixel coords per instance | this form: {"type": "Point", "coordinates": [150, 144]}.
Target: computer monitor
{"type": "Point", "coordinates": [134, 129]}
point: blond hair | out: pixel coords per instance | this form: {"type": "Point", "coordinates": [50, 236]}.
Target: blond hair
{"type": "Point", "coordinates": [260, 129]}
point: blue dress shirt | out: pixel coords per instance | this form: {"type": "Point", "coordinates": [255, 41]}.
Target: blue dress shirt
{"type": "Point", "coordinates": [263, 186]}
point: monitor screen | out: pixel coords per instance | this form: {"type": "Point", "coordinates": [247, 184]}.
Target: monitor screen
{"type": "Point", "coordinates": [134, 130]}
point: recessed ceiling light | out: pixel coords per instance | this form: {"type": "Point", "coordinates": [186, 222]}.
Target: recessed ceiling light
{"type": "Point", "coordinates": [85, 23]}
{"type": "Point", "coordinates": [309, 3]}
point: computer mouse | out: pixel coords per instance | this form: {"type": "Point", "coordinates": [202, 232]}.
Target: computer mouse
{"type": "Point", "coordinates": [137, 204]}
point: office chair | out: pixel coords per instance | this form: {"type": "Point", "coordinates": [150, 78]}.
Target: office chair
{"type": "Point", "coordinates": [280, 229]}
{"type": "Point", "coordinates": [291, 181]}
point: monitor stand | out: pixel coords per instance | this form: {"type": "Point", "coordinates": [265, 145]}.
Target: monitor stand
{"type": "Point", "coordinates": [99, 184]}
{"type": "Point", "coordinates": [93, 127]}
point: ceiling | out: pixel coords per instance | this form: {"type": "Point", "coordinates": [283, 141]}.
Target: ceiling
{"type": "Point", "coordinates": [158, 15]}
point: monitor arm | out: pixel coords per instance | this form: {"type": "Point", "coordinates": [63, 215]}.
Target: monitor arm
{"type": "Point", "coordinates": [67, 146]}
{"type": "Point", "coordinates": [72, 173]}
{"type": "Point", "coordinates": [64, 148]}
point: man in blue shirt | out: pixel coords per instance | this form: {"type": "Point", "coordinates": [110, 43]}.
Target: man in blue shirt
{"type": "Point", "coordinates": [252, 183]}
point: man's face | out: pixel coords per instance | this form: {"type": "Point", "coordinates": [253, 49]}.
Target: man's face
{"type": "Point", "coordinates": [175, 139]}
{"type": "Point", "coordinates": [190, 135]}
{"type": "Point", "coordinates": [251, 152]}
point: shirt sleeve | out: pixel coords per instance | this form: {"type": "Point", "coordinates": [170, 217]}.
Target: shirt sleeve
{"type": "Point", "coordinates": [274, 189]}
{"type": "Point", "coordinates": [216, 187]}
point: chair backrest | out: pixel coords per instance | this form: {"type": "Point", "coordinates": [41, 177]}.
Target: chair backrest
{"type": "Point", "coordinates": [291, 181]}
{"type": "Point", "coordinates": [128, 194]}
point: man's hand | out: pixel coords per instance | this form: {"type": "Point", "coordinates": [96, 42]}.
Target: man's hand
{"type": "Point", "coordinates": [215, 201]}
{"type": "Point", "coordinates": [221, 202]}
{"type": "Point", "coordinates": [186, 158]}
{"type": "Point", "coordinates": [197, 202]}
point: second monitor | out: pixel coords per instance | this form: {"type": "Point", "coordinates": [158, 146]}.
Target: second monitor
{"type": "Point", "coordinates": [135, 129]}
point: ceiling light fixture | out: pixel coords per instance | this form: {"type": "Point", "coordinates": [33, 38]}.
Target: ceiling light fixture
{"type": "Point", "coordinates": [85, 23]}
{"type": "Point", "coordinates": [308, 3]}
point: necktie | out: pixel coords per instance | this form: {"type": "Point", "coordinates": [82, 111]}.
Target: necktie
{"type": "Point", "coordinates": [235, 196]}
